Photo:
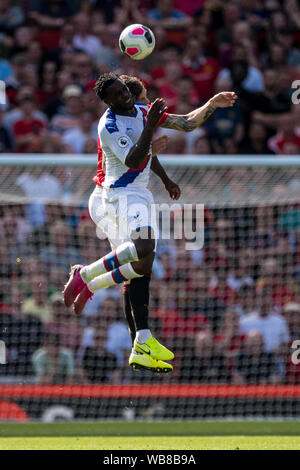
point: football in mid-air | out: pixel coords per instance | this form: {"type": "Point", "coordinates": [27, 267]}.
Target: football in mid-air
{"type": "Point", "coordinates": [137, 41]}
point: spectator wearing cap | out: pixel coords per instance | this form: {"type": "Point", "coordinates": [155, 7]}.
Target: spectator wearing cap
{"type": "Point", "coordinates": [69, 117]}
{"type": "Point", "coordinates": [77, 138]}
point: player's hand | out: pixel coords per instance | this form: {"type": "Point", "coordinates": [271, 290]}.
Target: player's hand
{"type": "Point", "coordinates": [159, 144]}
{"type": "Point", "coordinates": [173, 189]}
{"type": "Point", "coordinates": [155, 112]}
{"type": "Point", "coordinates": [225, 99]}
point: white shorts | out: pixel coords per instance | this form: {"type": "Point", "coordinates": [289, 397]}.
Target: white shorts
{"type": "Point", "coordinates": [119, 212]}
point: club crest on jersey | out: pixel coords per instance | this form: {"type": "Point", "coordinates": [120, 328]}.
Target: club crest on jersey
{"type": "Point", "coordinates": [123, 142]}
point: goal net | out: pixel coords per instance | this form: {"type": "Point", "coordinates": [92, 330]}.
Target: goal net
{"type": "Point", "coordinates": [224, 294]}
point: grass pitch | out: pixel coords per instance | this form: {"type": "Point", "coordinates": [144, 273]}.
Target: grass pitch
{"type": "Point", "coordinates": [196, 435]}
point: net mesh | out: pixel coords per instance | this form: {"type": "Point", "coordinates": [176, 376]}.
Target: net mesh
{"type": "Point", "coordinates": [230, 311]}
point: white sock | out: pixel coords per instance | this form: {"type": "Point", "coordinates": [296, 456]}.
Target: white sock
{"type": "Point", "coordinates": [117, 276]}
{"type": "Point", "coordinates": [124, 253]}
{"type": "Point", "coordinates": [142, 336]}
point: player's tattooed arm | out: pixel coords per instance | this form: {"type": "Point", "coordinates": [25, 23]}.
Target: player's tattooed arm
{"type": "Point", "coordinates": [188, 122]}
{"type": "Point", "coordinates": [194, 119]}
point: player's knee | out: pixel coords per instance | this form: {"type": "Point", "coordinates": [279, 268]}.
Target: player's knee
{"type": "Point", "coordinates": [144, 266]}
{"type": "Point", "coordinates": [144, 242]}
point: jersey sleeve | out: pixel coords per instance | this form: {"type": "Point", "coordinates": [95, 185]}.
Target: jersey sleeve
{"type": "Point", "coordinates": [118, 143]}
{"type": "Point", "coordinates": [162, 119]}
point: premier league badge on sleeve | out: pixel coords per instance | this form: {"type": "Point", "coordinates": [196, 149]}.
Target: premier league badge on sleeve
{"type": "Point", "coordinates": [123, 141]}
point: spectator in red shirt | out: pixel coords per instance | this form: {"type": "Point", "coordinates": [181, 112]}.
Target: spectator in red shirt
{"type": "Point", "coordinates": [28, 131]}
{"type": "Point", "coordinates": [168, 85]}
{"type": "Point", "coordinates": [203, 70]}
{"type": "Point", "coordinates": [221, 288]}
{"type": "Point", "coordinates": [286, 132]}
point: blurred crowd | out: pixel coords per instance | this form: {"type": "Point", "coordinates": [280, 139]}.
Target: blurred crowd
{"type": "Point", "coordinates": [230, 311]}
{"type": "Point", "coordinates": [51, 53]}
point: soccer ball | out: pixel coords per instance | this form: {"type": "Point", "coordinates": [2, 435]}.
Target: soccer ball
{"type": "Point", "coordinates": [137, 41]}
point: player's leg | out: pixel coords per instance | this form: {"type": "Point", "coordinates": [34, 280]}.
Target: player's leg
{"type": "Point", "coordinates": [139, 293]}
{"type": "Point", "coordinates": [128, 311]}
{"type": "Point", "coordinates": [116, 267]}
{"type": "Point", "coordinates": [118, 275]}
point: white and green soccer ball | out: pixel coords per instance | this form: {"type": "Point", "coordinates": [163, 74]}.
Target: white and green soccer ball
{"type": "Point", "coordinates": [137, 41]}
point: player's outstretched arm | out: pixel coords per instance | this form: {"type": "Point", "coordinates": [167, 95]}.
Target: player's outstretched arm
{"type": "Point", "coordinates": [189, 122]}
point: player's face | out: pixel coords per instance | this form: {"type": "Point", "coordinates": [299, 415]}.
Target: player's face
{"type": "Point", "coordinates": [119, 97]}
